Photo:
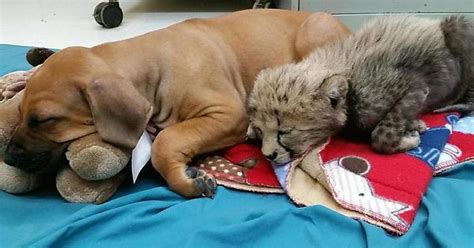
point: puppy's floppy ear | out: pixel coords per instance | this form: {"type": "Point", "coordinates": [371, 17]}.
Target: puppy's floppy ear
{"type": "Point", "coordinates": [335, 87]}
{"type": "Point", "coordinates": [120, 112]}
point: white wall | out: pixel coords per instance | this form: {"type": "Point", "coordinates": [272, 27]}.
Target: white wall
{"type": "Point", "coordinates": [356, 12]}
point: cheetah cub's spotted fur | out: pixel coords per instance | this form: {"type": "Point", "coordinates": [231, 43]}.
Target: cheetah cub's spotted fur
{"type": "Point", "coordinates": [376, 82]}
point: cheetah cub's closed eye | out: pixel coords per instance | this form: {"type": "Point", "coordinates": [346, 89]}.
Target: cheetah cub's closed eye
{"type": "Point", "coordinates": [378, 82]}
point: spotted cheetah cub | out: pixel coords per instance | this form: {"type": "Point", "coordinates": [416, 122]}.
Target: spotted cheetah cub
{"type": "Point", "coordinates": [376, 83]}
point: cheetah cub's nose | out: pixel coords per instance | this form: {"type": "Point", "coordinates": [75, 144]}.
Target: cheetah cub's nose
{"type": "Point", "coordinates": [272, 156]}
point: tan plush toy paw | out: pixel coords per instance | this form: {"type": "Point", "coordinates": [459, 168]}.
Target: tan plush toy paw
{"type": "Point", "coordinates": [73, 188]}
{"type": "Point", "coordinates": [93, 159]}
{"type": "Point", "coordinates": [14, 82]}
{"type": "Point", "coordinates": [95, 169]}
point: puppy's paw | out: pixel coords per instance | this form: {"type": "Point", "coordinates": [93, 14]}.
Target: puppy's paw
{"type": "Point", "coordinates": [204, 184]}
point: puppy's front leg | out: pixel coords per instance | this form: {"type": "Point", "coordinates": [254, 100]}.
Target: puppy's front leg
{"type": "Point", "coordinates": [176, 145]}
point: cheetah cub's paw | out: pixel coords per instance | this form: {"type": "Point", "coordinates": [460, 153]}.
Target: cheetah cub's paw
{"type": "Point", "coordinates": [389, 142]}
{"type": "Point", "coordinates": [409, 140]}
{"type": "Point", "coordinates": [417, 125]}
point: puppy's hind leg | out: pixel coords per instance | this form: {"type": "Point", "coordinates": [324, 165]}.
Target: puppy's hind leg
{"type": "Point", "coordinates": [400, 131]}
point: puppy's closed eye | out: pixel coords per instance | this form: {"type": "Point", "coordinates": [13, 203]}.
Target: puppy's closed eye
{"type": "Point", "coordinates": [36, 121]}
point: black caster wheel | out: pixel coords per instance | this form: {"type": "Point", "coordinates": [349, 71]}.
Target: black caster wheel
{"type": "Point", "coordinates": [263, 4]}
{"type": "Point", "coordinates": [108, 14]}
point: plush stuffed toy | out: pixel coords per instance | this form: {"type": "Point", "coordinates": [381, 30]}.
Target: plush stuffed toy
{"type": "Point", "coordinates": [94, 169]}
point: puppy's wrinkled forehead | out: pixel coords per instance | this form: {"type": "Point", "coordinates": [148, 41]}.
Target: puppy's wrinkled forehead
{"type": "Point", "coordinates": [285, 90]}
{"type": "Point", "coordinates": [79, 60]}
{"type": "Point", "coordinates": [70, 67]}
{"type": "Point", "coordinates": [59, 80]}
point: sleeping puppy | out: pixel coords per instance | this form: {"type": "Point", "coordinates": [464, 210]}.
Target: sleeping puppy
{"type": "Point", "coordinates": [190, 80]}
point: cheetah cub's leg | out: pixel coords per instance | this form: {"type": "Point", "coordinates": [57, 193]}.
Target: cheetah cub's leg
{"type": "Point", "coordinates": [400, 131]}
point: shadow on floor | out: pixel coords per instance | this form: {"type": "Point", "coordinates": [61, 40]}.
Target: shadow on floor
{"type": "Point", "coordinates": [189, 5]}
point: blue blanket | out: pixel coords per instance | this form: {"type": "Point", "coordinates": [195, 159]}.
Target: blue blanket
{"type": "Point", "coordinates": [149, 214]}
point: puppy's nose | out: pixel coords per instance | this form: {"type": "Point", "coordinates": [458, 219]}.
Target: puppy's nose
{"type": "Point", "coordinates": [272, 156]}
{"type": "Point", "coordinates": [13, 153]}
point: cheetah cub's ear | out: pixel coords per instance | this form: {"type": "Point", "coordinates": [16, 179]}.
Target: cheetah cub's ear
{"type": "Point", "coordinates": [251, 132]}
{"type": "Point", "coordinates": [334, 88]}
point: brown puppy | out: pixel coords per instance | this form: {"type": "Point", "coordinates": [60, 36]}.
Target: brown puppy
{"type": "Point", "coordinates": [190, 79]}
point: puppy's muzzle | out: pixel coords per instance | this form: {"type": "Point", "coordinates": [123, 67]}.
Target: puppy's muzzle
{"type": "Point", "coordinates": [38, 162]}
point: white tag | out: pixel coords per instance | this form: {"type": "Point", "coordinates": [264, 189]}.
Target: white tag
{"type": "Point", "coordinates": [141, 155]}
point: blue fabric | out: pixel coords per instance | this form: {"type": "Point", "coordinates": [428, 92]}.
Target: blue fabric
{"type": "Point", "coordinates": [432, 144]}
{"type": "Point", "coordinates": [149, 214]}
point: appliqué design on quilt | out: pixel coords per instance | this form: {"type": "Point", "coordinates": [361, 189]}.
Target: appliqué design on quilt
{"type": "Point", "coordinates": [223, 169]}
{"type": "Point", "coordinates": [244, 167]}
{"type": "Point", "coordinates": [465, 125]}
{"type": "Point", "coordinates": [459, 147]}
{"type": "Point", "coordinates": [347, 178]}
{"type": "Point", "coordinates": [449, 155]}
{"type": "Point", "coordinates": [281, 172]}
{"type": "Point", "coordinates": [433, 142]}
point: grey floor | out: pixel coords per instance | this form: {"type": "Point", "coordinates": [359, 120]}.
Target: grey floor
{"type": "Point", "coordinates": [62, 23]}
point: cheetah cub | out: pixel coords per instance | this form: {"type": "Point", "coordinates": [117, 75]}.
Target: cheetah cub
{"type": "Point", "coordinates": [376, 83]}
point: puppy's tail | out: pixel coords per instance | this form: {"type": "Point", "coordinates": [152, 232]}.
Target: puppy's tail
{"type": "Point", "coordinates": [459, 37]}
